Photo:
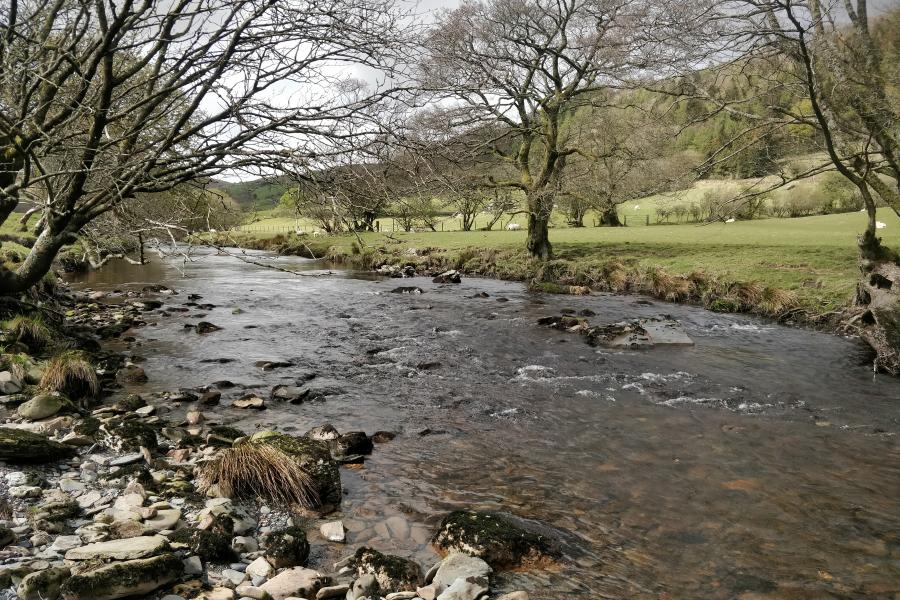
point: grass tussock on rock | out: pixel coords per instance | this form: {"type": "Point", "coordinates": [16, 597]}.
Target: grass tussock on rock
{"type": "Point", "coordinates": [71, 374]}
{"type": "Point", "coordinates": [28, 330]}
{"type": "Point", "coordinates": [259, 470]}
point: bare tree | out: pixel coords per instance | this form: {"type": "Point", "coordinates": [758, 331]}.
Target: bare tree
{"type": "Point", "coordinates": [824, 58]}
{"type": "Point", "coordinates": [103, 101]}
{"type": "Point", "coordinates": [516, 70]}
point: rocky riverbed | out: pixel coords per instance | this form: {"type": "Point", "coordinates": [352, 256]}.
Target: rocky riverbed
{"type": "Point", "coordinates": [101, 498]}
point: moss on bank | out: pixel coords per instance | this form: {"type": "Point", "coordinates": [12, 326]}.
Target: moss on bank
{"type": "Point", "coordinates": [570, 273]}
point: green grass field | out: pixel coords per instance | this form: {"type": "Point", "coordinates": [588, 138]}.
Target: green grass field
{"type": "Point", "coordinates": [813, 256]}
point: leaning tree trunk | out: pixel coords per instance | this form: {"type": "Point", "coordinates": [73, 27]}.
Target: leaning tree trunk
{"type": "Point", "coordinates": [878, 292]}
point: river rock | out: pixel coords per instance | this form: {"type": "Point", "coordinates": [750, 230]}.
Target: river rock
{"type": "Point", "coordinates": [315, 458]}
{"type": "Point", "coordinates": [492, 537]}
{"type": "Point", "coordinates": [204, 327]}
{"type": "Point", "coordinates": [127, 435]}
{"type": "Point", "coordinates": [299, 582]}
{"type": "Point", "coordinates": [286, 547]}
{"type": "Point", "coordinates": [392, 573]}
{"type": "Point", "coordinates": [471, 588]}
{"type": "Point", "coordinates": [365, 586]}
{"type": "Point", "coordinates": [260, 568]}
{"type": "Point", "coordinates": [640, 333]}
{"type": "Point", "coordinates": [289, 393]}
{"type": "Point", "coordinates": [451, 276]}
{"type": "Point", "coordinates": [164, 519]}
{"type": "Point", "coordinates": [249, 401]}
{"type": "Point", "coordinates": [9, 383]}
{"type": "Point", "coordinates": [460, 566]}
{"type": "Point", "coordinates": [352, 442]}
{"type": "Point", "coordinates": [333, 532]}
{"type": "Point", "coordinates": [42, 406]}
{"type": "Point", "coordinates": [127, 549]}
{"type": "Point", "coordinates": [131, 374]}
{"type": "Point", "coordinates": [514, 596]}
{"type": "Point", "coordinates": [323, 433]}
{"type": "Point", "coordinates": [407, 290]}
{"type": "Point", "coordinates": [333, 591]}
{"type": "Point", "coordinates": [123, 579]}
{"type": "Point", "coordinates": [7, 536]}
{"type": "Point", "coordinates": [43, 585]}
{"type": "Point", "coordinates": [19, 446]}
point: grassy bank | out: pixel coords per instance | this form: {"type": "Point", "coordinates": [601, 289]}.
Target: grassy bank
{"type": "Point", "coordinates": [801, 267]}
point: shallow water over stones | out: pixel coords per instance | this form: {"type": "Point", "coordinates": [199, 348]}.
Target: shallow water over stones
{"type": "Point", "coordinates": [761, 460]}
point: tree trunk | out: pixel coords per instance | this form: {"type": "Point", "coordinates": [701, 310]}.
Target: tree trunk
{"type": "Point", "coordinates": [878, 292]}
{"type": "Point", "coordinates": [610, 217]}
{"type": "Point", "coordinates": [36, 264]}
{"type": "Point", "coordinates": [539, 237]}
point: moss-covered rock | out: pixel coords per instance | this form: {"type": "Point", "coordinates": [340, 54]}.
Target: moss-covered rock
{"type": "Point", "coordinates": [7, 536]}
{"type": "Point", "coordinates": [130, 403]}
{"type": "Point", "coordinates": [43, 406]}
{"type": "Point", "coordinates": [123, 579]}
{"type": "Point", "coordinates": [314, 457]}
{"type": "Point", "coordinates": [19, 446]}
{"type": "Point", "coordinates": [51, 514]}
{"type": "Point", "coordinates": [287, 548]}
{"type": "Point", "coordinates": [210, 545]}
{"type": "Point", "coordinates": [223, 435]}
{"type": "Point", "coordinates": [494, 538]}
{"type": "Point", "coordinates": [43, 585]}
{"type": "Point", "coordinates": [392, 573]}
{"type": "Point", "coordinates": [128, 435]}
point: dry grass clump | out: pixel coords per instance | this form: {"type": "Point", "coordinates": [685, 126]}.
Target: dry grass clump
{"type": "Point", "coordinates": [259, 471]}
{"type": "Point", "coordinates": [775, 301]}
{"type": "Point", "coordinates": [662, 284]}
{"type": "Point", "coordinates": [31, 331]}
{"type": "Point", "coordinates": [71, 374]}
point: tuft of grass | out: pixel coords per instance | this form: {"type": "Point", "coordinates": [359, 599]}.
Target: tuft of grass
{"type": "Point", "coordinates": [72, 375]}
{"type": "Point", "coordinates": [662, 284]}
{"type": "Point", "coordinates": [775, 301]}
{"type": "Point", "coordinates": [31, 331]}
{"type": "Point", "coordinates": [259, 471]}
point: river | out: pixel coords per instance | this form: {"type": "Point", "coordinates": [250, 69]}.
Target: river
{"type": "Point", "coordinates": [762, 462]}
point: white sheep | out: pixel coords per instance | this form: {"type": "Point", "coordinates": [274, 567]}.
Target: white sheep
{"type": "Point", "coordinates": [513, 227]}
{"type": "Point", "coordinates": [880, 225]}
{"type": "Point", "coordinates": [730, 220]}
{"type": "Point", "coordinates": [318, 233]}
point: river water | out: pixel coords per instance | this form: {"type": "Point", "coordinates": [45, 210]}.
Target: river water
{"type": "Point", "coordinates": [762, 462]}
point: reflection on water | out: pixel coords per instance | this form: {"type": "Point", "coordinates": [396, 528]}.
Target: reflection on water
{"type": "Point", "coordinates": [760, 463]}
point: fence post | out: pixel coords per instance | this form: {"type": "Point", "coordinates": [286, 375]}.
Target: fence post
{"type": "Point", "coordinates": [648, 219]}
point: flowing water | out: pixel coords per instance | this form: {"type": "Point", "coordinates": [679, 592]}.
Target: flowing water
{"type": "Point", "coordinates": [762, 462]}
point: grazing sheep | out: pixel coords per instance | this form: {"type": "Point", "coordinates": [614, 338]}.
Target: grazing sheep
{"type": "Point", "coordinates": [730, 220]}
{"type": "Point", "coordinates": [513, 227]}
{"type": "Point", "coordinates": [318, 233]}
{"type": "Point", "coordinates": [880, 225]}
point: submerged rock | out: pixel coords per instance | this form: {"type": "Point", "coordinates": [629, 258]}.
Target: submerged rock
{"type": "Point", "coordinates": [407, 290]}
{"type": "Point", "coordinates": [494, 538]}
{"type": "Point", "coordinates": [19, 446]}
{"type": "Point", "coordinates": [124, 579]}
{"type": "Point", "coordinates": [451, 276]}
{"type": "Point", "coordinates": [641, 333]}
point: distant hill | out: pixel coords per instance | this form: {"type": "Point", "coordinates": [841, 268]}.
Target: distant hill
{"type": "Point", "coordinates": [256, 194]}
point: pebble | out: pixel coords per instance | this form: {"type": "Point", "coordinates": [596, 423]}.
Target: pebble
{"type": "Point", "coordinates": [333, 531]}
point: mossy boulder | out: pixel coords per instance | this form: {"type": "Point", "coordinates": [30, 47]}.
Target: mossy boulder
{"type": "Point", "coordinates": [43, 585]}
{"type": "Point", "coordinates": [52, 514]}
{"type": "Point", "coordinates": [43, 406]}
{"type": "Point", "coordinates": [287, 548]}
{"type": "Point", "coordinates": [131, 374]}
{"type": "Point", "coordinates": [19, 446]}
{"type": "Point", "coordinates": [494, 538]}
{"type": "Point", "coordinates": [223, 436]}
{"type": "Point", "coordinates": [392, 573]}
{"type": "Point", "coordinates": [210, 545]}
{"type": "Point", "coordinates": [128, 435]}
{"type": "Point", "coordinates": [130, 403]}
{"type": "Point", "coordinates": [124, 579]}
{"type": "Point", "coordinates": [314, 457]}
{"type": "Point", "coordinates": [7, 536]}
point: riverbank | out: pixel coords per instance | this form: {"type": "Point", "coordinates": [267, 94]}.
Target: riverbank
{"type": "Point", "coordinates": [804, 279]}
{"type": "Point", "coordinates": [106, 494]}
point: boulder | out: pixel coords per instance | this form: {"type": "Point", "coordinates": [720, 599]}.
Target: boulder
{"type": "Point", "coordinates": [471, 588]}
{"type": "Point", "coordinates": [352, 442]}
{"type": "Point", "coordinates": [124, 579]}
{"type": "Point", "coordinates": [43, 585]}
{"type": "Point", "coordinates": [126, 549]}
{"type": "Point", "coordinates": [131, 374]}
{"type": "Point", "coordinates": [298, 582]}
{"type": "Point", "coordinates": [289, 393]}
{"type": "Point", "coordinates": [42, 406]}
{"type": "Point", "coordinates": [19, 446]}
{"type": "Point", "coordinates": [9, 383]}
{"type": "Point", "coordinates": [451, 276]}
{"type": "Point", "coordinates": [493, 537]}
{"type": "Point", "coordinates": [286, 547]}
{"type": "Point", "coordinates": [392, 573]}
{"type": "Point", "coordinates": [460, 566]}
{"type": "Point", "coordinates": [314, 457]}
